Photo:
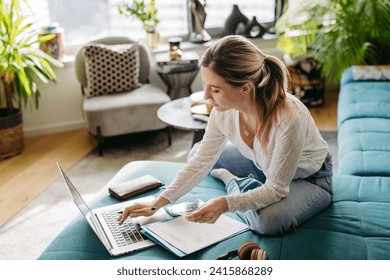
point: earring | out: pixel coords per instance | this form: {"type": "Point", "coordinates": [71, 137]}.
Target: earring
{"type": "Point", "coordinates": [247, 251]}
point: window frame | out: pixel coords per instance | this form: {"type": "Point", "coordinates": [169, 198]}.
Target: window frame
{"type": "Point", "coordinates": [215, 32]}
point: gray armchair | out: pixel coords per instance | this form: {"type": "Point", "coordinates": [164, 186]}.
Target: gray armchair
{"type": "Point", "coordinates": [126, 109]}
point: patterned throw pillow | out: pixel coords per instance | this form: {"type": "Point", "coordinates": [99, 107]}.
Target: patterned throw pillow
{"type": "Point", "coordinates": [371, 72]}
{"type": "Point", "coordinates": [111, 68]}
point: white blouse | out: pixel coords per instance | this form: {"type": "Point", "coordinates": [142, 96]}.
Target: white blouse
{"type": "Point", "coordinates": [295, 150]}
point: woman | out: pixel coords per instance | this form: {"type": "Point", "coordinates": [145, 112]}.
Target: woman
{"type": "Point", "coordinates": [278, 170]}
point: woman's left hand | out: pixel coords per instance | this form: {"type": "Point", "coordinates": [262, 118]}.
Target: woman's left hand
{"type": "Point", "coordinates": [210, 211]}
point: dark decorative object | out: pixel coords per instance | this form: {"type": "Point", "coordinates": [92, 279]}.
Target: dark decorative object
{"type": "Point", "coordinates": [198, 33]}
{"type": "Point", "coordinates": [235, 22]}
{"type": "Point", "coordinates": [254, 29]}
{"type": "Point", "coordinates": [279, 8]}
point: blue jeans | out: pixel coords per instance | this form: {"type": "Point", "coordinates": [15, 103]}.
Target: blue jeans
{"type": "Point", "coordinates": [307, 197]}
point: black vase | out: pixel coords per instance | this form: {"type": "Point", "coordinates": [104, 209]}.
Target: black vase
{"type": "Point", "coordinates": [254, 29]}
{"type": "Point", "coordinates": [234, 20]}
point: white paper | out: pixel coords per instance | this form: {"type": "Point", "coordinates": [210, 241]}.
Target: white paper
{"type": "Point", "coordinates": [190, 237]}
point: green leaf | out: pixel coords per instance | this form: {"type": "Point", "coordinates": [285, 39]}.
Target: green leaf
{"type": "Point", "coordinates": [345, 33]}
{"type": "Point", "coordinates": [45, 38]}
{"type": "Point", "coordinates": [21, 63]}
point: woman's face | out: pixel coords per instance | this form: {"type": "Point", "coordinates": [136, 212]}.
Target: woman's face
{"type": "Point", "coordinates": [219, 93]}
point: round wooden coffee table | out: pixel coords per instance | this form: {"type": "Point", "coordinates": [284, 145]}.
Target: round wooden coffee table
{"type": "Point", "coordinates": [176, 113]}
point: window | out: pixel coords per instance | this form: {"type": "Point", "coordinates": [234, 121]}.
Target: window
{"type": "Point", "coordinates": [90, 19]}
{"type": "Point", "coordinates": [218, 11]}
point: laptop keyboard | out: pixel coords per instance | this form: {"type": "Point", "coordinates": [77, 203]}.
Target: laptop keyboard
{"type": "Point", "coordinates": [124, 234]}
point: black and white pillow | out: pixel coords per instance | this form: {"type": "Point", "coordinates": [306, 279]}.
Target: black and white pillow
{"type": "Point", "coordinates": [111, 68]}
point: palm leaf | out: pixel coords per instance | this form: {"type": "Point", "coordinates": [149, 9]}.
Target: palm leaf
{"type": "Point", "coordinates": [44, 38]}
{"type": "Point", "coordinates": [38, 72]}
{"type": "Point", "coordinates": [20, 60]}
{"type": "Point", "coordinates": [352, 32]}
{"type": "Point", "coordinates": [21, 73]}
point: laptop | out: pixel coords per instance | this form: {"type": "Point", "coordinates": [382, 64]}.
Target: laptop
{"type": "Point", "coordinates": [118, 239]}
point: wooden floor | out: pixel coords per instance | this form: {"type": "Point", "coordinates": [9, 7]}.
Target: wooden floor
{"type": "Point", "coordinates": [23, 177]}
{"type": "Point", "coordinates": [326, 115]}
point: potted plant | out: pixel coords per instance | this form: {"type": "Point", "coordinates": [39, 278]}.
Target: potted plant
{"type": "Point", "coordinates": [146, 13]}
{"type": "Point", "coordinates": [338, 34]}
{"type": "Point", "coordinates": [21, 65]}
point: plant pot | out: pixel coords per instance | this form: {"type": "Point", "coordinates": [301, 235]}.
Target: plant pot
{"type": "Point", "coordinates": [11, 133]}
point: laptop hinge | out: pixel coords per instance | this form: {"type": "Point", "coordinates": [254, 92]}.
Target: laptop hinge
{"type": "Point", "coordinates": [101, 234]}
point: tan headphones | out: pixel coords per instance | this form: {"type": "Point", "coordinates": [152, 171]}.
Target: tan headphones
{"type": "Point", "coordinates": [247, 251]}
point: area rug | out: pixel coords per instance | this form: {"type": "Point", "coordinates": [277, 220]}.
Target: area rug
{"type": "Point", "coordinates": [28, 233]}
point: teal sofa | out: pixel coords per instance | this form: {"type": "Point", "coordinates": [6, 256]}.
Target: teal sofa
{"type": "Point", "coordinates": [356, 226]}
{"type": "Point", "coordinates": [364, 126]}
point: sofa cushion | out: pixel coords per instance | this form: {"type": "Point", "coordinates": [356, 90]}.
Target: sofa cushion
{"type": "Point", "coordinates": [364, 147]}
{"type": "Point", "coordinates": [126, 106]}
{"type": "Point", "coordinates": [354, 226]}
{"type": "Point", "coordinates": [364, 100]}
{"type": "Point", "coordinates": [111, 68]}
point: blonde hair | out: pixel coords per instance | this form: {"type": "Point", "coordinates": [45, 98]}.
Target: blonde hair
{"type": "Point", "coordinates": [237, 60]}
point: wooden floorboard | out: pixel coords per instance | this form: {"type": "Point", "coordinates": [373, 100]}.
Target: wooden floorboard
{"type": "Point", "coordinates": [24, 176]}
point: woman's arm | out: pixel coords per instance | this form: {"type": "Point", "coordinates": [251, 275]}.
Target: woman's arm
{"type": "Point", "coordinates": [201, 162]}
{"type": "Point", "coordinates": [197, 167]}
{"type": "Point", "coordinates": [142, 209]}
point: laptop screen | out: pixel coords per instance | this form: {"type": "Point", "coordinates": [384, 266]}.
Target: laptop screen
{"type": "Point", "coordinates": [84, 209]}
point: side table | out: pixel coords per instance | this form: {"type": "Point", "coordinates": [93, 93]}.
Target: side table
{"type": "Point", "coordinates": [177, 113]}
{"type": "Point", "coordinates": [178, 79]}
{"type": "Point", "coordinates": [178, 74]}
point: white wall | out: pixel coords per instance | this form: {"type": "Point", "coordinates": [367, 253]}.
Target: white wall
{"type": "Point", "coordinates": [60, 103]}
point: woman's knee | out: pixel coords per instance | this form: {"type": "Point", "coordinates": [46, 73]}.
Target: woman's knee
{"type": "Point", "coordinates": [283, 217]}
{"type": "Point", "coordinates": [228, 156]}
{"type": "Point", "coordinates": [272, 224]}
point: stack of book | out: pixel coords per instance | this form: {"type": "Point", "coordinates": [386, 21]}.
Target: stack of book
{"type": "Point", "coordinates": [188, 62]}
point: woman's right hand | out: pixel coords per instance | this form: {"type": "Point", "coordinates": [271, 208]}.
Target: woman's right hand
{"type": "Point", "coordinates": [142, 209]}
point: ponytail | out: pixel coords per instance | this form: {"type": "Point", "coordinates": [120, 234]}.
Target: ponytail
{"type": "Point", "coordinates": [270, 95]}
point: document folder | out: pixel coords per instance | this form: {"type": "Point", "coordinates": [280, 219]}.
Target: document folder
{"type": "Point", "coordinates": [183, 237]}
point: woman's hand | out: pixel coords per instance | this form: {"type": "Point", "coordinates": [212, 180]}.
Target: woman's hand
{"type": "Point", "coordinates": [209, 212]}
{"type": "Point", "coordinates": [142, 209]}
